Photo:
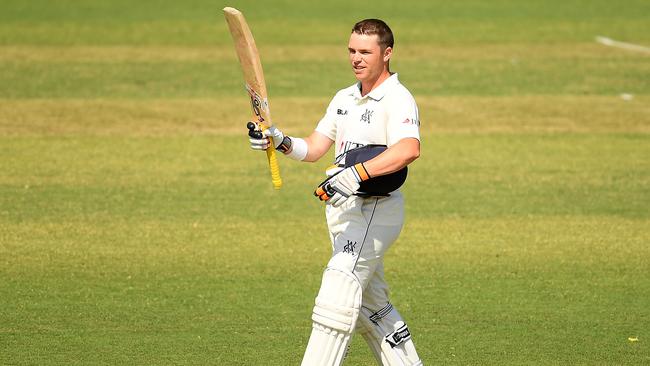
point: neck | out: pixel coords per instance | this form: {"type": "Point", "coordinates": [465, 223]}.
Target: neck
{"type": "Point", "coordinates": [369, 85]}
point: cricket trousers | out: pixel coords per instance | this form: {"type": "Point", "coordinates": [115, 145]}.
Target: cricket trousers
{"type": "Point", "coordinates": [365, 228]}
{"type": "Point", "coordinates": [353, 297]}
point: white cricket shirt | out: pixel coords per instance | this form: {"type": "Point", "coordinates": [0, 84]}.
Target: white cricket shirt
{"type": "Point", "coordinates": [384, 116]}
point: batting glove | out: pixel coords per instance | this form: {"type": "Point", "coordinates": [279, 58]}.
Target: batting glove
{"type": "Point", "coordinates": [338, 188]}
{"type": "Point", "coordinates": [261, 140]}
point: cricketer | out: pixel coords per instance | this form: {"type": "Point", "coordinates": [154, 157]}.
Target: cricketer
{"type": "Point", "coordinates": [364, 216]}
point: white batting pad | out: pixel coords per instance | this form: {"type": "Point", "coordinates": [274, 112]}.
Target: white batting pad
{"type": "Point", "coordinates": [334, 318]}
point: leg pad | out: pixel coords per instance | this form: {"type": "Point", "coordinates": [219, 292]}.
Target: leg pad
{"type": "Point", "coordinates": [334, 318]}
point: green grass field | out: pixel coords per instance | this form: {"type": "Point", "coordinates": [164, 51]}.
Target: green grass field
{"type": "Point", "coordinates": [135, 221]}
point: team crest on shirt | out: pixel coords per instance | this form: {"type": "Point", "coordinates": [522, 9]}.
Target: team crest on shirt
{"type": "Point", "coordinates": [350, 247]}
{"type": "Point", "coordinates": [365, 117]}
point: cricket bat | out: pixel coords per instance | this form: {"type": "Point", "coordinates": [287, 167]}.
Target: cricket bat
{"type": "Point", "coordinates": [249, 59]}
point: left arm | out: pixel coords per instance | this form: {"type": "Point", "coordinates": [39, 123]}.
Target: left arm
{"type": "Point", "coordinates": [340, 186]}
{"type": "Point", "coordinates": [396, 157]}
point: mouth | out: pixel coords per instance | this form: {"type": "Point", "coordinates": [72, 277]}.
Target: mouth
{"type": "Point", "coordinates": [358, 69]}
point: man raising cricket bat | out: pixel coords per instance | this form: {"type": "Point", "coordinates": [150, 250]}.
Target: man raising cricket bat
{"type": "Point", "coordinates": [374, 125]}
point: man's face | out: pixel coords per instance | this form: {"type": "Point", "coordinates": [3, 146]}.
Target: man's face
{"type": "Point", "coordinates": [366, 57]}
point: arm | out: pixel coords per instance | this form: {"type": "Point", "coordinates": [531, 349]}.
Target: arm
{"type": "Point", "coordinates": [309, 149]}
{"type": "Point", "coordinates": [399, 155]}
{"type": "Point", "coordinates": [317, 144]}
{"type": "Point", "coordinates": [339, 187]}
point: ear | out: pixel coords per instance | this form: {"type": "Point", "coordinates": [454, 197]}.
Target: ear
{"type": "Point", "coordinates": [388, 52]}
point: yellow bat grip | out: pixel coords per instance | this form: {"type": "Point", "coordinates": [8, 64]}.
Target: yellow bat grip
{"type": "Point", "coordinates": [273, 163]}
{"type": "Point", "coordinates": [275, 167]}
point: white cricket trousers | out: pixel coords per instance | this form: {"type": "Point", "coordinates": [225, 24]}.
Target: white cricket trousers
{"type": "Point", "coordinates": [365, 228]}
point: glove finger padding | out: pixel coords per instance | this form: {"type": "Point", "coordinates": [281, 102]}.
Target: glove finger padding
{"type": "Point", "coordinates": [324, 191]}
{"type": "Point", "coordinates": [333, 170]}
{"type": "Point", "coordinates": [259, 144]}
{"type": "Point", "coordinates": [338, 199]}
{"type": "Point", "coordinates": [256, 137]}
{"type": "Point", "coordinates": [254, 132]}
{"type": "Point", "coordinates": [343, 184]}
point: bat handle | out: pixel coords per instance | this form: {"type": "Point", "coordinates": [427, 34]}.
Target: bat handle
{"type": "Point", "coordinates": [271, 157]}
{"type": "Point", "coordinates": [275, 167]}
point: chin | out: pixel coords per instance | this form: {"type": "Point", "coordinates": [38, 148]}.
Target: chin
{"type": "Point", "coordinates": [360, 77]}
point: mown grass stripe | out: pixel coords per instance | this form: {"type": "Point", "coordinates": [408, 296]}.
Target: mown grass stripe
{"type": "Point", "coordinates": [295, 29]}
{"type": "Point", "coordinates": [146, 80]}
{"type": "Point", "coordinates": [227, 116]}
{"type": "Point", "coordinates": [282, 53]}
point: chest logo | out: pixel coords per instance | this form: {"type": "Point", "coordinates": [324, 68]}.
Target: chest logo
{"type": "Point", "coordinates": [365, 117]}
{"type": "Point", "coordinates": [342, 112]}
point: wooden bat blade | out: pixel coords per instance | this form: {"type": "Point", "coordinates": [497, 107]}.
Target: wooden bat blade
{"type": "Point", "coordinates": [249, 57]}
{"type": "Point", "coordinates": [251, 66]}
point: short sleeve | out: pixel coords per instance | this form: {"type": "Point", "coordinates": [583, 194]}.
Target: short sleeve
{"type": "Point", "coordinates": [327, 124]}
{"type": "Point", "coordinates": [404, 119]}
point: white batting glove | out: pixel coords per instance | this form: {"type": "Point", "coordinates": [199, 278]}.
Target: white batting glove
{"type": "Point", "coordinates": [338, 188]}
{"type": "Point", "coordinates": [261, 140]}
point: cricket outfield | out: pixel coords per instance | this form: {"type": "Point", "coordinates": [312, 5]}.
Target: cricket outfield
{"type": "Point", "coordinates": [134, 216]}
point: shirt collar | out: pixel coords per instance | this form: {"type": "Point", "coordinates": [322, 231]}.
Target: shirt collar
{"type": "Point", "coordinates": [378, 92]}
